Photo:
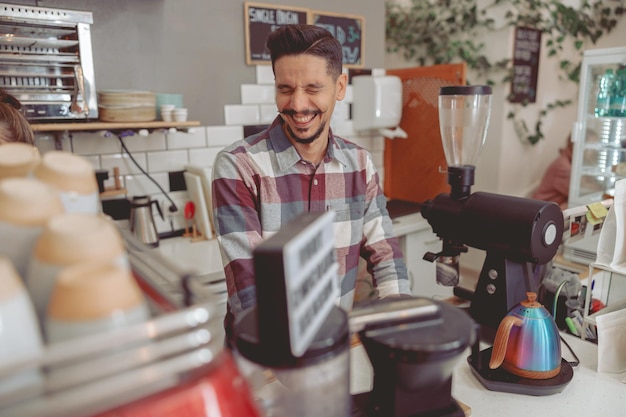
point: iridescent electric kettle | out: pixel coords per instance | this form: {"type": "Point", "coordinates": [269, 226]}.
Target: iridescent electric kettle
{"type": "Point", "coordinates": [527, 342]}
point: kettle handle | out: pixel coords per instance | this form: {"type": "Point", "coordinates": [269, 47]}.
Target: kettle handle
{"type": "Point", "coordinates": [158, 206]}
{"type": "Point", "coordinates": [501, 340]}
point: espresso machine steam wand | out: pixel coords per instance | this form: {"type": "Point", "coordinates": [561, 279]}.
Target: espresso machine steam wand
{"type": "Point", "coordinates": [517, 233]}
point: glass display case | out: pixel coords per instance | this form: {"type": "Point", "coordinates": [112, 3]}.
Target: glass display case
{"type": "Point", "coordinates": [599, 157]}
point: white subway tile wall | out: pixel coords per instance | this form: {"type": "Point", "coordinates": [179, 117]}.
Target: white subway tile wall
{"type": "Point", "coordinates": [268, 113]}
{"type": "Point", "coordinates": [155, 141]}
{"type": "Point", "coordinates": [192, 138]}
{"type": "Point", "coordinates": [376, 72]}
{"type": "Point", "coordinates": [172, 221]}
{"type": "Point", "coordinates": [341, 114]}
{"type": "Point", "coordinates": [242, 114]}
{"type": "Point", "coordinates": [168, 160]}
{"type": "Point", "coordinates": [123, 163]}
{"type": "Point", "coordinates": [257, 94]}
{"type": "Point", "coordinates": [220, 136]}
{"type": "Point", "coordinates": [203, 157]}
{"type": "Point", "coordinates": [264, 74]}
{"type": "Point", "coordinates": [137, 185]}
{"type": "Point", "coordinates": [50, 142]}
{"type": "Point", "coordinates": [89, 143]}
{"type": "Point", "coordinates": [163, 150]}
{"type": "Point", "coordinates": [348, 97]}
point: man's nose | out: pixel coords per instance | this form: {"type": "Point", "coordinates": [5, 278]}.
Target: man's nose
{"type": "Point", "coordinates": [299, 100]}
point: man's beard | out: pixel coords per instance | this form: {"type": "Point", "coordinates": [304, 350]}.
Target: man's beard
{"type": "Point", "coordinates": [310, 139]}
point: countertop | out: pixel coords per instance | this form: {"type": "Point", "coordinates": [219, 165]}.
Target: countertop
{"type": "Point", "coordinates": [198, 258]}
{"type": "Point", "coordinates": [203, 258]}
{"type": "Point", "coordinates": [203, 261]}
{"type": "Point", "coordinates": [589, 393]}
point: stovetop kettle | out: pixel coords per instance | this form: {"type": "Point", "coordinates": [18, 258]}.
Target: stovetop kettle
{"type": "Point", "coordinates": [142, 221]}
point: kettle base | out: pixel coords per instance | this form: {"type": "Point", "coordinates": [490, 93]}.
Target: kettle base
{"type": "Point", "coordinates": [531, 374]}
{"type": "Point", "coordinates": [504, 381]}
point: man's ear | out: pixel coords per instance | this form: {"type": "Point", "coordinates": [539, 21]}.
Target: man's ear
{"type": "Point", "coordinates": [342, 85]}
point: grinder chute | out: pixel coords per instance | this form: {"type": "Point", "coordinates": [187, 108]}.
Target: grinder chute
{"type": "Point", "coordinates": [516, 233]}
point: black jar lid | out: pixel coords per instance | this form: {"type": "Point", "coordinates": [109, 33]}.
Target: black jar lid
{"type": "Point", "coordinates": [437, 337]}
{"type": "Point", "coordinates": [464, 90]}
{"type": "Point", "coordinates": [331, 338]}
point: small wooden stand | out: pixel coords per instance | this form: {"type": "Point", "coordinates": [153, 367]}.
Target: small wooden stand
{"type": "Point", "coordinates": [117, 189]}
{"type": "Point", "coordinates": [194, 234]}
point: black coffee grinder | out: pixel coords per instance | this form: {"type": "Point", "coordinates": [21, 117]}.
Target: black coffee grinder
{"type": "Point", "coordinates": [517, 233]}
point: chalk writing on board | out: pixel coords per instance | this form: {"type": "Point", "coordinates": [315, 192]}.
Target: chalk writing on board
{"type": "Point", "coordinates": [261, 20]}
{"type": "Point", "coordinates": [349, 31]}
{"type": "Point", "coordinates": [525, 65]}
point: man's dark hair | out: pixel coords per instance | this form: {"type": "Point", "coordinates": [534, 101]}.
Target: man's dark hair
{"type": "Point", "coordinates": [306, 39]}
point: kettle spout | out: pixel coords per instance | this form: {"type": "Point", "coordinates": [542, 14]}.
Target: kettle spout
{"type": "Point", "coordinates": [501, 340]}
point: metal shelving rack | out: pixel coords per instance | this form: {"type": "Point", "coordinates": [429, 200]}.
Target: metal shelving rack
{"type": "Point", "coordinates": [614, 300]}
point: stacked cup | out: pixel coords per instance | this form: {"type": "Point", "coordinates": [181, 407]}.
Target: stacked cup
{"type": "Point", "coordinates": [93, 297]}
{"type": "Point", "coordinates": [73, 177]}
{"type": "Point", "coordinates": [167, 112]}
{"type": "Point", "coordinates": [180, 115]}
{"type": "Point", "coordinates": [18, 159]}
{"type": "Point", "coordinates": [19, 331]}
{"type": "Point", "coordinates": [170, 113]}
{"type": "Point", "coordinates": [26, 205]}
{"type": "Point", "coordinates": [69, 239]}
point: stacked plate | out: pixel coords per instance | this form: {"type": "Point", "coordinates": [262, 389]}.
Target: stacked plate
{"type": "Point", "coordinates": [126, 106]}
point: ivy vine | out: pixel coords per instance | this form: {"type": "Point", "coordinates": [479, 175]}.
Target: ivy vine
{"type": "Point", "coordinates": [431, 32]}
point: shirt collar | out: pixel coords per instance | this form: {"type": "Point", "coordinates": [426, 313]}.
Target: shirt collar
{"type": "Point", "coordinates": [286, 153]}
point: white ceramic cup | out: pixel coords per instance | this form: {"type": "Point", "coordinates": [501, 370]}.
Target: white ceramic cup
{"type": "Point", "coordinates": [75, 179]}
{"type": "Point", "coordinates": [19, 332]}
{"type": "Point", "coordinates": [91, 298]}
{"type": "Point", "coordinates": [167, 112]}
{"type": "Point", "coordinates": [26, 205]}
{"type": "Point", "coordinates": [69, 239]}
{"type": "Point", "coordinates": [180, 115]}
{"type": "Point", "coordinates": [18, 159]}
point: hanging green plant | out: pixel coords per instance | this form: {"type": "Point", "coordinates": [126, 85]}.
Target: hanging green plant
{"type": "Point", "coordinates": [431, 32]}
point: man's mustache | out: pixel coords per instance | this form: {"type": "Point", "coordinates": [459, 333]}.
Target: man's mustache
{"type": "Point", "coordinates": [291, 112]}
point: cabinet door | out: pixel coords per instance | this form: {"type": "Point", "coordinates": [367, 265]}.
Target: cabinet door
{"type": "Point", "coordinates": [599, 142]}
{"type": "Point", "coordinates": [412, 165]}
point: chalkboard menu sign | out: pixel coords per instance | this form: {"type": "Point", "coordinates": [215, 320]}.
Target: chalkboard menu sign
{"type": "Point", "coordinates": [525, 65]}
{"type": "Point", "coordinates": [349, 30]}
{"type": "Point", "coordinates": [260, 20]}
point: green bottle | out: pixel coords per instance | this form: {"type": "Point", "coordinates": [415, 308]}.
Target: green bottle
{"type": "Point", "coordinates": [603, 98]}
{"type": "Point", "coordinates": [618, 98]}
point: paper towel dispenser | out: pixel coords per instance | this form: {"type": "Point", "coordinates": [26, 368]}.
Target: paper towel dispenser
{"type": "Point", "coordinates": [377, 104]}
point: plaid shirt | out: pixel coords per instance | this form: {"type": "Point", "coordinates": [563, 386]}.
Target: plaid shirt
{"type": "Point", "coordinates": [261, 182]}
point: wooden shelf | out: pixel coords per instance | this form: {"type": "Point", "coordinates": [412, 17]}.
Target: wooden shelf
{"type": "Point", "coordinates": [85, 126]}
